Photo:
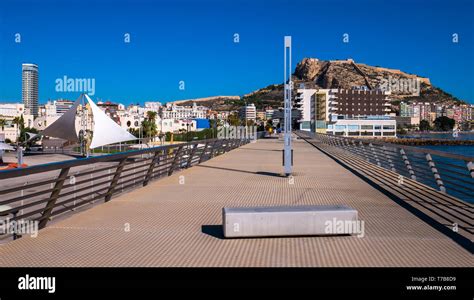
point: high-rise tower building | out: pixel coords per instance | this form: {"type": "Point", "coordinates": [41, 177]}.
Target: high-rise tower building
{"type": "Point", "coordinates": [30, 88]}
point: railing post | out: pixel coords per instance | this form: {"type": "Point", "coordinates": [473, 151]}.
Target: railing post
{"type": "Point", "coordinates": [173, 164]}
{"type": "Point", "coordinates": [470, 167]}
{"type": "Point", "coordinates": [223, 148]}
{"type": "Point", "coordinates": [364, 151]}
{"type": "Point", "coordinates": [230, 145]}
{"type": "Point", "coordinates": [201, 157]}
{"type": "Point", "coordinates": [437, 178]}
{"type": "Point", "coordinates": [347, 145]}
{"type": "Point", "coordinates": [390, 162]}
{"type": "Point", "coordinates": [213, 149]}
{"type": "Point", "coordinates": [342, 143]}
{"type": "Point", "coordinates": [190, 159]}
{"type": "Point", "coordinates": [115, 180]}
{"type": "Point", "coordinates": [407, 164]}
{"type": "Point", "coordinates": [375, 154]}
{"type": "Point", "coordinates": [353, 147]}
{"type": "Point", "coordinates": [151, 167]}
{"type": "Point", "coordinates": [52, 199]}
{"type": "Point", "coordinates": [331, 141]}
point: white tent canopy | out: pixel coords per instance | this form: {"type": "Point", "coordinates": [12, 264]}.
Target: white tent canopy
{"type": "Point", "coordinates": [65, 126]}
{"type": "Point", "coordinates": [106, 131]}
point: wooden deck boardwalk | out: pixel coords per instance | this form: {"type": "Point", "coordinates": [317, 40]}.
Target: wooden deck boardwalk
{"type": "Point", "coordinates": [175, 223]}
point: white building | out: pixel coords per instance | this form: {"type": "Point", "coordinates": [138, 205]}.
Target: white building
{"type": "Point", "coordinates": [364, 127]}
{"type": "Point", "coordinates": [130, 120]}
{"type": "Point", "coordinates": [177, 112]}
{"type": "Point", "coordinates": [172, 125]}
{"type": "Point", "coordinates": [49, 109]}
{"type": "Point", "coordinates": [55, 107]}
{"type": "Point", "coordinates": [44, 121]}
{"type": "Point", "coordinates": [8, 112]}
{"type": "Point", "coordinates": [9, 131]}
{"type": "Point", "coordinates": [248, 112]}
{"type": "Point", "coordinates": [318, 108]}
{"type": "Point", "coordinates": [12, 109]}
{"type": "Point", "coordinates": [153, 106]}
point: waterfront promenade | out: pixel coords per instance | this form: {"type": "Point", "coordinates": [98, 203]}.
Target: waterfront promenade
{"type": "Point", "coordinates": [172, 222]}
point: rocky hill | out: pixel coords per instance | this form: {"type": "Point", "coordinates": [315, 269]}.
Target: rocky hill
{"type": "Point", "coordinates": [344, 74]}
{"type": "Point", "coordinates": [348, 74]}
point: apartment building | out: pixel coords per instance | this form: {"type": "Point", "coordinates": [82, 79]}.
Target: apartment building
{"type": "Point", "coordinates": [248, 112]}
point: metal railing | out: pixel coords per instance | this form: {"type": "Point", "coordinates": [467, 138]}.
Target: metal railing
{"type": "Point", "coordinates": [43, 192]}
{"type": "Point", "coordinates": [433, 185]}
{"type": "Point", "coordinates": [449, 173]}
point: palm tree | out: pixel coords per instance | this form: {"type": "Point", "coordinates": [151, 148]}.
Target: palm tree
{"type": "Point", "coordinates": [18, 122]}
{"type": "Point", "coordinates": [151, 115]}
{"type": "Point", "coordinates": [3, 122]}
{"type": "Point", "coordinates": [149, 125]}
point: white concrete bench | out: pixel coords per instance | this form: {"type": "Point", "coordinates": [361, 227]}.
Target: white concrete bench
{"type": "Point", "coordinates": [288, 221]}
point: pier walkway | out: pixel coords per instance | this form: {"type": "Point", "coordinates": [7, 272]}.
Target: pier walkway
{"type": "Point", "coordinates": [175, 221]}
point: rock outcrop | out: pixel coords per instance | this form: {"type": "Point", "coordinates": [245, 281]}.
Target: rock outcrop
{"type": "Point", "coordinates": [348, 74]}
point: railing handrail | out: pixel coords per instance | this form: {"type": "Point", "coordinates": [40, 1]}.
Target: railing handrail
{"type": "Point", "coordinates": [405, 147]}
{"type": "Point", "coordinates": [11, 173]}
{"type": "Point", "coordinates": [451, 174]}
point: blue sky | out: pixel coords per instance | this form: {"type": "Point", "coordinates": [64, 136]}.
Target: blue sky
{"type": "Point", "coordinates": [192, 41]}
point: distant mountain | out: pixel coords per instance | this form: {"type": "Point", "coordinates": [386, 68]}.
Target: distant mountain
{"type": "Point", "coordinates": [345, 74]}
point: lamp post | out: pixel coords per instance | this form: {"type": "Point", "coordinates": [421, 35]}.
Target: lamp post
{"type": "Point", "coordinates": [287, 151]}
{"type": "Point", "coordinates": [245, 116]}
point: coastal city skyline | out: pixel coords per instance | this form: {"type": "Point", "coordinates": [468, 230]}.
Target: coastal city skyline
{"type": "Point", "coordinates": [204, 55]}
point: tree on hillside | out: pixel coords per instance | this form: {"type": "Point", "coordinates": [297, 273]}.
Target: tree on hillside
{"type": "Point", "coordinates": [424, 125]}
{"type": "Point", "coordinates": [444, 123]}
